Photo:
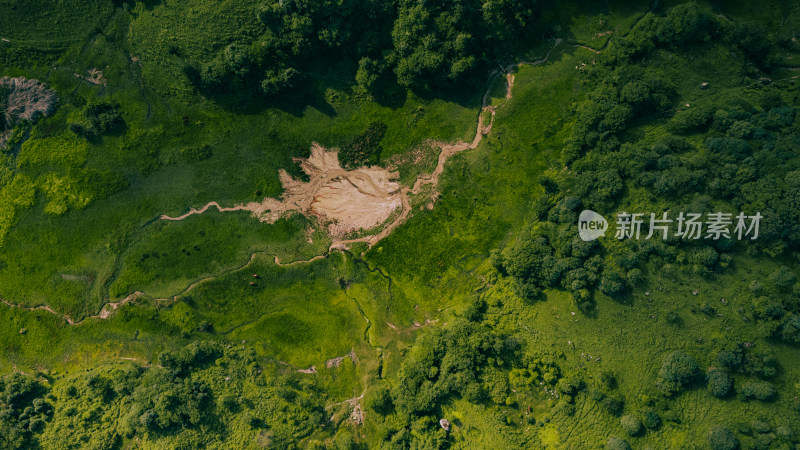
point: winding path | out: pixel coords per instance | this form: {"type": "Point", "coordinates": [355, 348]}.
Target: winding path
{"type": "Point", "coordinates": [422, 181]}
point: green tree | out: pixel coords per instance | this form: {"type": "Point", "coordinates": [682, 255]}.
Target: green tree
{"type": "Point", "coordinates": [651, 419]}
{"type": "Point", "coordinates": [278, 81]}
{"type": "Point", "coordinates": [759, 390]}
{"type": "Point", "coordinates": [721, 438]}
{"type": "Point", "coordinates": [632, 425]}
{"type": "Point", "coordinates": [616, 443]}
{"type": "Point", "coordinates": [719, 383]}
{"type": "Point", "coordinates": [678, 370]}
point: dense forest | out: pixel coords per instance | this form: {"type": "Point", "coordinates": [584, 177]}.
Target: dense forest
{"type": "Point", "coordinates": [419, 45]}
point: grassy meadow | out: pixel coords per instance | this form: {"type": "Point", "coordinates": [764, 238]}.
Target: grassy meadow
{"type": "Point", "coordinates": [235, 313]}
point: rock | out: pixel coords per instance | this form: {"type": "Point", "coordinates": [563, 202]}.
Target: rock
{"type": "Point", "coordinates": [445, 424]}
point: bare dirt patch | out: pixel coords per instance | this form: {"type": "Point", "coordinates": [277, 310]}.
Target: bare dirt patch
{"type": "Point", "coordinates": [348, 201]}
{"type": "Point", "coordinates": [311, 370]}
{"type": "Point", "coordinates": [23, 99]}
{"type": "Point", "coordinates": [335, 362]}
{"type": "Point", "coordinates": [343, 200]}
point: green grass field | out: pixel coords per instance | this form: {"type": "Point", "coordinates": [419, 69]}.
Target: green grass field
{"type": "Point", "coordinates": [91, 234]}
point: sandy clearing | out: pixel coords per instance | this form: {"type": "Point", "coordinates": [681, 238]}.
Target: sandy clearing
{"type": "Point", "coordinates": [343, 200]}
{"type": "Point", "coordinates": [323, 168]}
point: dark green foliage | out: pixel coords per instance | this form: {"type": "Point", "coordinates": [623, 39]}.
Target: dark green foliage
{"type": "Point", "coordinates": [616, 443]}
{"type": "Point", "coordinates": [599, 188]}
{"type": "Point", "coordinates": [369, 74]}
{"type": "Point", "coordinates": [198, 153]}
{"type": "Point", "coordinates": [762, 365]}
{"type": "Point", "coordinates": [782, 278]}
{"type": "Point", "coordinates": [609, 379]}
{"type": "Point", "coordinates": [197, 399]}
{"type": "Point", "coordinates": [790, 331]}
{"type": "Point", "coordinates": [22, 410]}
{"type": "Point", "coordinates": [451, 359]}
{"type": "Point", "coordinates": [552, 257]}
{"type": "Point", "coordinates": [420, 45]}
{"type": "Point", "coordinates": [380, 400]}
{"type": "Point", "coordinates": [651, 419]}
{"type": "Point", "coordinates": [364, 149]}
{"type": "Point", "coordinates": [632, 425]}
{"type": "Point", "coordinates": [194, 355]}
{"type": "Point", "coordinates": [613, 405]}
{"type": "Point", "coordinates": [690, 120]}
{"type": "Point", "coordinates": [570, 385]}
{"type": "Point", "coordinates": [432, 44]}
{"type": "Point", "coordinates": [732, 359]}
{"type": "Point", "coordinates": [279, 81]}
{"type": "Point", "coordinates": [760, 426]}
{"type": "Point", "coordinates": [527, 290]}
{"type": "Point", "coordinates": [759, 390]}
{"type": "Point", "coordinates": [103, 117]}
{"type": "Point", "coordinates": [677, 372]}
{"type": "Point", "coordinates": [719, 383]}
{"type": "Point", "coordinates": [475, 310]}
{"type": "Point", "coordinates": [612, 284]}
{"type": "Point", "coordinates": [163, 403]}
{"type": "Point", "coordinates": [498, 261]}
{"type": "Point", "coordinates": [721, 438]}
{"type": "Point", "coordinates": [673, 318]}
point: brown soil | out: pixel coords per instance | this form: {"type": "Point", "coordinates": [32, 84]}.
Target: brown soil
{"type": "Point", "coordinates": [27, 100]}
{"type": "Point", "coordinates": [343, 200]}
{"type": "Point", "coordinates": [104, 313]}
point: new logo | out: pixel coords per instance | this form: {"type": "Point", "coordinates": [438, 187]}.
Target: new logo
{"type": "Point", "coordinates": [591, 225]}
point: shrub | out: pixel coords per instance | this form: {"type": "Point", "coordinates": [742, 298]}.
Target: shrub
{"type": "Point", "coordinates": [782, 278]}
{"type": "Point", "coordinates": [200, 153]}
{"type": "Point", "coordinates": [721, 438]}
{"type": "Point", "coordinates": [526, 290]}
{"type": "Point", "coordinates": [615, 443]}
{"type": "Point", "coordinates": [651, 420]}
{"type": "Point", "coordinates": [379, 400]}
{"type": "Point", "coordinates": [279, 81]}
{"type": "Point", "coordinates": [104, 116]}
{"type": "Point", "coordinates": [631, 425]}
{"type": "Point", "coordinates": [719, 383]}
{"type": "Point", "coordinates": [731, 359]}
{"type": "Point", "coordinates": [612, 284]}
{"type": "Point", "coordinates": [762, 365]}
{"type": "Point", "coordinates": [364, 149]}
{"type": "Point", "coordinates": [790, 331]}
{"type": "Point", "coordinates": [613, 405]}
{"type": "Point", "coordinates": [690, 119]}
{"type": "Point", "coordinates": [677, 371]}
{"type": "Point", "coordinates": [759, 390]}
{"type": "Point", "coordinates": [760, 426]}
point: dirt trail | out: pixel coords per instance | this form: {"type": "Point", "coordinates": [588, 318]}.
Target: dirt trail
{"type": "Point", "coordinates": [343, 200]}
{"type": "Point", "coordinates": [104, 313]}
{"type": "Point", "coordinates": [448, 150]}
{"type": "Point", "coordinates": [193, 211]}
{"type": "Point", "coordinates": [374, 184]}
